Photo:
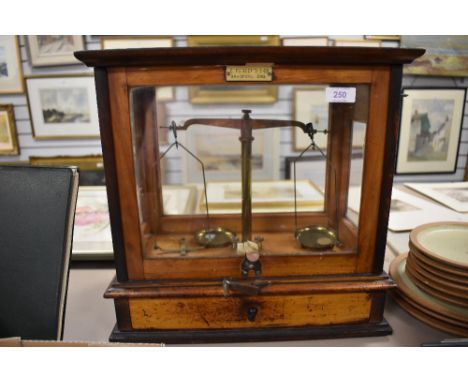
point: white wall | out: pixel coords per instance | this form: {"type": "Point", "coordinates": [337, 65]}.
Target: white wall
{"type": "Point", "coordinates": [282, 109]}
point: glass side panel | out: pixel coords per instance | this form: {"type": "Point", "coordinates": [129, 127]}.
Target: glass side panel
{"type": "Point", "coordinates": [275, 161]}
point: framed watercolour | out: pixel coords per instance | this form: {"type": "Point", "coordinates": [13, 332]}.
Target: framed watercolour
{"type": "Point", "coordinates": [408, 211]}
{"type": "Point", "coordinates": [163, 93]}
{"type": "Point", "coordinates": [228, 94]}
{"type": "Point", "coordinates": [54, 50]}
{"type": "Point", "coordinates": [179, 200]}
{"type": "Point", "coordinates": [309, 104]}
{"type": "Point", "coordinates": [267, 196]}
{"type": "Point", "coordinates": [384, 37]}
{"type": "Point", "coordinates": [8, 134]}
{"type": "Point", "coordinates": [305, 41]}
{"type": "Point", "coordinates": [63, 107]}
{"type": "Point", "coordinates": [453, 194]}
{"type": "Point", "coordinates": [358, 43]}
{"type": "Point", "coordinates": [430, 130]}
{"type": "Point", "coordinates": [313, 168]}
{"type": "Point", "coordinates": [445, 55]}
{"type": "Point", "coordinates": [233, 40]}
{"type": "Point", "coordinates": [219, 150]}
{"type": "Point", "coordinates": [11, 72]}
{"type": "Point", "coordinates": [129, 42]}
{"type": "Point", "coordinates": [92, 238]}
{"type": "Point", "coordinates": [91, 167]}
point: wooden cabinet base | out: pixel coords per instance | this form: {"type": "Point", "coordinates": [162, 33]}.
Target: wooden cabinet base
{"type": "Point", "coordinates": [250, 335]}
{"type": "Point", "coordinates": [284, 309]}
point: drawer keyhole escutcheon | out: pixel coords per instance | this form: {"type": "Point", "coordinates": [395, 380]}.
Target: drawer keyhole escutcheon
{"type": "Point", "coordinates": [252, 313]}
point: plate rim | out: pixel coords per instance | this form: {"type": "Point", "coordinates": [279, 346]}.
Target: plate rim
{"type": "Point", "coordinates": [414, 240]}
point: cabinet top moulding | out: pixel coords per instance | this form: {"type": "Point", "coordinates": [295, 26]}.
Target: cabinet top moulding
{"type": "Point", "coordinates": [242, 55]}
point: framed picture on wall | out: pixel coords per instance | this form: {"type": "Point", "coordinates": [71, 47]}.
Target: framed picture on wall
{"type": "Point", "coordinates": [445, 55]}
{"type": "Point", "coordinates": [310, 105]}
{"type": "Point", "coordinates": [430, 130]}
{"type": "Point", "coordinates": [305, 41]}
{"type": "Point", "coordinates": [8, 134]}
{"type": "Point", "coordinates": [11, 72]}
{"type": "Point", "coordinates": [92, 238]}
{"type": "Point", "coordinates": [63, 107]}
{"type": "Point", "coordinates": [129, 42]}
{"type": "Point", "coordinates": [163, 93]}
{"type": "Point", "coordinates": [91, 167]}
{"type": "Point", "coordinates": [220, 94]}
{"type": "Point", "coordinates": [220, 152]}
{"type": "Point", "coordinates": [54, 50]}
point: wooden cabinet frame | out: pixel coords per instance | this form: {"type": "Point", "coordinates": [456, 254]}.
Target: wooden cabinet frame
{"type": "Point", "coordinates": [117, 72]}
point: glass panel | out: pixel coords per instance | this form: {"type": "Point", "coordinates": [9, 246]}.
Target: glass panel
{"type": "Point", "coordinates": [203, 145]}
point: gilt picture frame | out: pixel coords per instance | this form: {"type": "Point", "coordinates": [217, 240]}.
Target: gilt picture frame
{"type": "Point", "coordinates": [219, 150]}
{"type": "Point", "coordinates": [430, 130]}
{"type": "Point", "coordinates": [63, 107]}
{"type": "Point", "coordinates": [163, 93]}
{"type": "Point", "coordinates": [91, 167]}
{"type": "Point", "coordinates": [54, 50]}
{"type": "Point", "coordinates": [229, 94]}
{"type": "Point", "coordinates": [92, 238]}
{"type": "Point", "coordinates": [451, 194]}
{"type": "Point", "coordinates": [11, 71]}
{"type": "Point", "coordinates": [8, 134]}
{"type": "Point", "coordinates": [310, 105]}
{"type": "Point", "coordinates": [445, 55]}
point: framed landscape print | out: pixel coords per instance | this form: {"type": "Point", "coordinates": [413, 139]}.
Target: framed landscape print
{"type": "Point", "coordinates": [357, 43]}
{"type": "Point", "coordinates": [128, 42]}
{"type": "Point", "coordinates": [63, 107]}
{"type": "Point", "coordinates": [310, 105]}
{"type": "Point", "coordinates": [305, 41]}
{"type": "Point", "coordinates": [8, 134]}
{"type": "Point", "coordinates": [267, 196]}
{"type": "Point", "coordinates": [453, 194]}
{"type": "Point", "coordinates": [430, 130]}
{"type": "Point", "coordinates": [54, 50]}
{"type": "Point", "coordinates": [409, 211]}
{"type": "Point", "coordinates": [91, 167]}
{"type": "Point", "coordinates": [445, 55]}
{"type": "Point", "coordinates": [163, 93]}
{"type": "Point", "coordinates": [220, 94]}
{"type": "Point", "coordinates": [11, 72]}
{"type": "Point", "coordinates": [92, 238]}
{"type": "Point", "coordinates": [220, 149]}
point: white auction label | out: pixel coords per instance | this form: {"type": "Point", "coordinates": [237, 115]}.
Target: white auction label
{"type": "Point", "coordinates": [340, 95]}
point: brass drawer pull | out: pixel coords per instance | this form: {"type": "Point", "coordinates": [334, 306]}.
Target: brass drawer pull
{"type": "Point", "coordinates": [252, 313]}
{"type": "Point", "coordinates": [250, 288]}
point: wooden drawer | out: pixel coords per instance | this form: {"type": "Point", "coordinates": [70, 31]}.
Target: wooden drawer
{"type": "Point", "coordinates": [249, 312]}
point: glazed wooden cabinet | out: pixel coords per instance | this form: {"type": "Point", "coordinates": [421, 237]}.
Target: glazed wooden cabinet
{"type": "Point", "coordinates": [211, 242]}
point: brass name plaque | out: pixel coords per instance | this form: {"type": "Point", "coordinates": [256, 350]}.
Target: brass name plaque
{"type": "Point", "coordinates": [249, 73]}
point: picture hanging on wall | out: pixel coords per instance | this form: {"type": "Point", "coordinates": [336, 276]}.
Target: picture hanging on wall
{"type": "Point", "coordinates": [63, 107]}
{"type": "Point", "coordinates": [430, 130]}
{"type": "Point", "coordinates": [8, 134]}
{"type": "Point", "coordinates": [220, 152]}
{"type": "Point", "coordinates": [163, 93]}
{"type": "Point", "coordinates": [310, 105]}
{"type": "Point", "coordinates": [54, 50]}
{"type": "Point", "coordinates": [91, 167]}
{"type": "Point", "coordinates": [11, 73]}
{"type": "Point", "coordinates": [253, 94]}
{"type": "Point", "coordinates": [445, 55]}
{"type": "Point", "coordinates": [305, 41]}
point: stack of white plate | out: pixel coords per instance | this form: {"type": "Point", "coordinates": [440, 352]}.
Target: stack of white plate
{"type": "Point", "coordinates": [433, 277]}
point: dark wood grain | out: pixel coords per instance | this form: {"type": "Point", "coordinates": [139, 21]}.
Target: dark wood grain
{"type": "Point", "coordinates": [390, 150]}
{"type": "Point", "coordinates": [242, 55]}
{"type": "Point", "coordinates": [249, 335]}
{"type": "Point", "coordinates": [107, 141]}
